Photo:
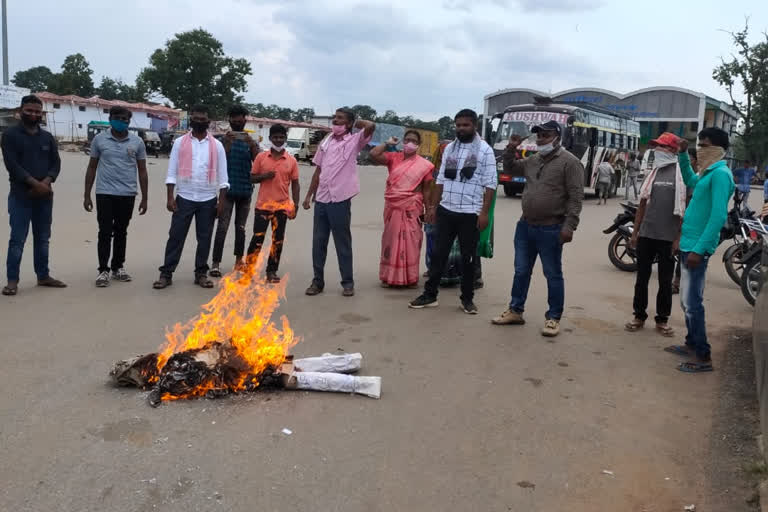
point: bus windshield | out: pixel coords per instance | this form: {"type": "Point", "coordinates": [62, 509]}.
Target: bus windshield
{"type": "Point", "coordinates": [509, 128]}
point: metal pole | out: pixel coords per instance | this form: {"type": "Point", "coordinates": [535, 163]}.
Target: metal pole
{"type": "Point", "coordinates": [5, 44]}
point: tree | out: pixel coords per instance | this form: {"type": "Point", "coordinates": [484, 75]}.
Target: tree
{"type": "Point", "coordinates": [116, 89]}
{"type": "Point", "coordinates": [36, 79]}
{"type": "Point", "coordinates": [304, 115]}
{"type": "Point", "coordinates": [748, 70]}
{"type": "Point", "coordinates": [74, 78]}
{"type": "Point", "coordinates": [446, 128]}
{"type": "Point", "coordinates": [193, 68]}
{"type": "Point", "coordinates": [389, 117]}
{"type": "Point", "coordinates": [364, 112]}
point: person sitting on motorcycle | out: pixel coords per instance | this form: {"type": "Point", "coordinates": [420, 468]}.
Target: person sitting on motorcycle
{"type": "Point", "coordinates": [656, 233]}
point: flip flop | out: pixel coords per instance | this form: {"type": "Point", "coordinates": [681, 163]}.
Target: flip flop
{"type": "Point", "coordinates": [51, 283]}
{"type": "Point", "coordinates": [10, 290]}
{"type": "Point", "coordinates": [665, 330]}
{"type": "Point", "coordinates": [215, 272]}
{"type": "Point", "coordinates": [680, 350]}
{"type": "Point", "coordinates": [634, 326]}
{"type": "Point", "coordinates": [695, 367]}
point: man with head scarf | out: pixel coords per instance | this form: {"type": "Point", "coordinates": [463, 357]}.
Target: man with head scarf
{"type": "Point", "coordinates": [712, 190]}
{"type": "Point", "coordinates": [656, 234]}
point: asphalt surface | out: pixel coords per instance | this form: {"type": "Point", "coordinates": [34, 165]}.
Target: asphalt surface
{"type": "Point", "coordinates": [472, 416]}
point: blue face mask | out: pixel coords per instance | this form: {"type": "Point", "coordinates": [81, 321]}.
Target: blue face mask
{"type": "Point", "coordinates": [118, 126]}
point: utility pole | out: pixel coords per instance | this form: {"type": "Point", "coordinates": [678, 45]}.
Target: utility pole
{"type": "Point", "coordinates": [5, 44]}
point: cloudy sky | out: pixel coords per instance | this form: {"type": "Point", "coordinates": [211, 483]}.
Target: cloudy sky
{"type": "Point", "coordinates": [427, 58]}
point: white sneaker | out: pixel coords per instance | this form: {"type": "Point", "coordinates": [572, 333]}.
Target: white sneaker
{"type": "Point", "coordinates": [121, 275]}
{"type": "Point", "coordinates": [551, 328]}
{"type": "Point", "coordinates": [103, 280]}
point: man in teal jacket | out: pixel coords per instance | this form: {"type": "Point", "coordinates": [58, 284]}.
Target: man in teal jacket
{"type": "Point", "coordinates": [705, 216]}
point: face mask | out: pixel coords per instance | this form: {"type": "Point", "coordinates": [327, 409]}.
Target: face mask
{"type": "Point", "coordinates": [277, 148]}
{"type": "Point", "coordinates": [410, 148]}
{"type": "Point", "coordinates": [708, 155]}
{"type": "Point", "coordinates": [30, 121]}
{"type": "Point", "coordinates": [339, 129]}
{"type": "Point", "coordinates": [237, 127]}
{"type": "Point", "coordinates": [545, 149]}
{"type": "Point", "coordinates": [118, 125]}
{"type": "Point", "coordinates": [465, 138]}
{"type": "Point", "coordinates": [199, 126]}
{"type": "Point", "coordinates": [663, 158]}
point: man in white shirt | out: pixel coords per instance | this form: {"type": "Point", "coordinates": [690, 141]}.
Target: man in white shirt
{"type": "Point", "coordinates": [466, 184]}
{"type": "Point", "coordinates": [198, 170]}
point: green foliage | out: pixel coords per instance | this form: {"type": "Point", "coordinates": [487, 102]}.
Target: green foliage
{"type": "Point", "coordinates": [116, 89]}
{"type": "Point", "coordinates": [75, 77]}
{"type": "Point", "coordinates": [36, 79]}
{"type": "Point", "coordinates": [193, 68]}
{"type": "Point", "coordinates": [747, 71]}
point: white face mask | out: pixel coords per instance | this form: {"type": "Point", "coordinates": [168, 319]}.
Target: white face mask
{"type": "Point", "coordinates": [276, 147]}
{"type": "Point", "coordinates": [545, 149]}
{"type": "Point", "coordinates": [663, 158]}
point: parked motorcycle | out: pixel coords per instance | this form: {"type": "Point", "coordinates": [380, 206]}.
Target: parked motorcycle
{"type": "Point", "coordinates": [620, 251]}
{"type": "Point", "coordinates": [743, 241]}
{"type": "Point", "coordinates": [751, 277]}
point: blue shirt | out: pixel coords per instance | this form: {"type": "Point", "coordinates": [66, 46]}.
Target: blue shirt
{"type": "Point", "coordinates": [239, 161]}
{"type": "Point", "coordinates": [117, 171]}
{"type": "Point", "coordinates": [743, 178]}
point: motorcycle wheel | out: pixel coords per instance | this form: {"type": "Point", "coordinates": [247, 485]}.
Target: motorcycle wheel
{"type": "Point", "coordinates": [620, 254]}
{"type": "Point", "coordinates": [733, 264]}
{"type": "Point", "coordinates": [752, 280]}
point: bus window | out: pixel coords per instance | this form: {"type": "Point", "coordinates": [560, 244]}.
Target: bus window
{"type": "Point", "coordinates": [613, 140]}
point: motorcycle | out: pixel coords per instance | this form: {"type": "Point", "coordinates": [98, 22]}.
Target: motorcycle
{"type": "Point", "coordinates": [752, 277]}
{"type": "Point", "coordinates": [620, 251]}
{"type": "Point", "coordinates": [743, 239]}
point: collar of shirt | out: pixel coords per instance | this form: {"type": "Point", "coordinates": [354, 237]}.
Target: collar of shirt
{"type": "Point", "coordinates": [280, 156]}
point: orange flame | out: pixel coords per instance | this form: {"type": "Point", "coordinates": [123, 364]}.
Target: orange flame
{"type": "Point", "coordinates": [239, 314]}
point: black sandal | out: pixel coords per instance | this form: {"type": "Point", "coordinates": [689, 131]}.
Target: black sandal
{"type": "Point", "coordinates": [10, 291]}
{"type": "Point", "coordinates": [695, 367]}
{"type": "Point", "coordinates": [162, 282]}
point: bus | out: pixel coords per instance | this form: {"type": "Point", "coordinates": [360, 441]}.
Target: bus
{"type": "Point", "coordinates": [592, 134]}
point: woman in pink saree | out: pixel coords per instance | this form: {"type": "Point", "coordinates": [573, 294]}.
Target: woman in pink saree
{"type": "Point", "coordinates": [408, 189]}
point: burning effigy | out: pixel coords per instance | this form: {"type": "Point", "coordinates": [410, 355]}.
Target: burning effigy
{"type": "Point", "coordinates": [234, 346]}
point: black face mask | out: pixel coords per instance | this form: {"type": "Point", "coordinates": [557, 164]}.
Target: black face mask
{"type": "Point", "coordinates": [465, 138]}
{"type": "Point", "coordinates": [199, 126]}
{"type": "Point", "coordinates": [237, 127]}
{"type": "Point", "coordinates": [30, 121]}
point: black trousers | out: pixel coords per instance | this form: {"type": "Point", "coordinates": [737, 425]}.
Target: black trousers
{"type": "Point", "coordinates": [647, 250]}
{"type": "Point", "coordinates": [261, 221]}
{"type": "Point", "coordinates": [242, 206]}
{"type": "Point", "coordinates": [204, 213]}
{"type": "Point", "coordinates": [449, 226]}
{"type": "Point", "coordinates": [113, 214]}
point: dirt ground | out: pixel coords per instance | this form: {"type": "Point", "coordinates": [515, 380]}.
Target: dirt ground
{"type": "Point", "coordinates": [472, 416]}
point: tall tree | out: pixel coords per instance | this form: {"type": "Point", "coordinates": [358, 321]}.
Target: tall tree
{"type": "Point", "coordinates": [747, 70]}
{"type": "Point", "coordinates": [116, 89]}
{"type": "Point", "coordinates": [36, 79]}
{"type": "Point", "coordinates": [364, 112]}
{"type": "Point", "coordinates": [193, 68]}
{"type": "Point", "coordinates": [447, 130]}
{"type": "Point", "coordinates": [75, 77]}
{"type": "Point", "coordinates": [304, 115]}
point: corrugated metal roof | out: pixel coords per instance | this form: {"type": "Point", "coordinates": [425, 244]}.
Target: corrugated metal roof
{"type": "Point", "coordinates": [99, 102]}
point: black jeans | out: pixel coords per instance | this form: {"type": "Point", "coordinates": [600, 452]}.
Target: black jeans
{"type": "Point", "coordinates": [261, 221]}
{"type": "Point", "coordinates": [241, 205]}
{"type": "Point", "coordinates": [113, 214]}
{"type": "Point", "coordinates": [204, 213]}
{"type": "Point", "coordinates": [333, 218]}
{"type": "Point", "coordinates": [449, 226]}
{"type": "Point", "coordinates": [647, 250]}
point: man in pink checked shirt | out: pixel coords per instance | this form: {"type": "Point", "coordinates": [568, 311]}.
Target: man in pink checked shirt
{"type": "Point", "coordinates": [334, 184]}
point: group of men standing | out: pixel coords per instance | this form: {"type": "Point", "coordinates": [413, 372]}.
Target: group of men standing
{"type": "Point", "coordinates": [209, 180]}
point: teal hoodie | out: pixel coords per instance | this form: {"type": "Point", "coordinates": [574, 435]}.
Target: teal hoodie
{"type": "Point", "coordinates": [708, 210]}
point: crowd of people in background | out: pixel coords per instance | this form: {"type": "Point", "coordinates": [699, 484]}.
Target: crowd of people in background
{"type": "Point", "coordinates": [683, 202]}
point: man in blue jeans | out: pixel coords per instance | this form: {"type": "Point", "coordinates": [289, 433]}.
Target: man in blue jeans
{"type": "Point", "coordinates": [32, 159]}
{"type": "Point", "coordinates": [554, 191]}
{"type": "Point", "coordinates": [700, 235]}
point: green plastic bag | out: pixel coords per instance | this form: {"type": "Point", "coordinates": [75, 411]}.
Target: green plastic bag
{"type": "Point", "coordinates": [485, 245]}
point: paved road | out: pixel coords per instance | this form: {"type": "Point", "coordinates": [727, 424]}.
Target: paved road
{"type": "Point", "coordinates": [472, 416]}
